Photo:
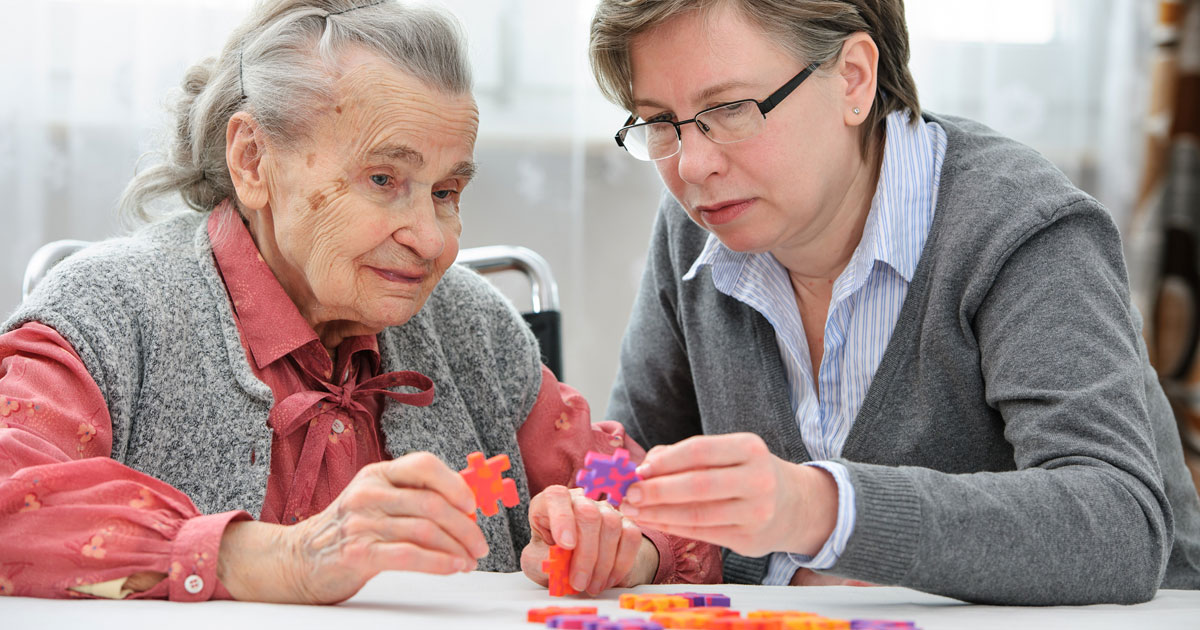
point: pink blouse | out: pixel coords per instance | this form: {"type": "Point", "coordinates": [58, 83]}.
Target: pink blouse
{"type": "Point", "coordinates": [71, 516]}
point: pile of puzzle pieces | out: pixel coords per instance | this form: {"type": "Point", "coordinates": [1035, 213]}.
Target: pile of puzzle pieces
{"type": "Point", "coordinates": [700, 611]}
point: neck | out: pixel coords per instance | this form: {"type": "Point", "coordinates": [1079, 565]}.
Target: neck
{"type": "Point", "coordinates": [329, 325]}
{"type": "Point", "coordinates": [817, 258]}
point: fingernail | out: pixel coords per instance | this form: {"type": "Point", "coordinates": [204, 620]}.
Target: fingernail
{"type": "Point", "coordinates": [634, 495]}
{"type": "Point", "coordinates": [459, 564]}
{"type": "Point", "coordinates": [579, 582]}
{"type": "Point", "coordinates": [629, 510]}
{"type": "Point", "coordinates": [643, 471]}
{"type": "Point", "coordinates": [481, 550]}
{"type": "Point", "coordinates": [568, 539]}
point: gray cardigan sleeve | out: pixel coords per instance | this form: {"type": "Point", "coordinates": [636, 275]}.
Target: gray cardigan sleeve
{"type": "Point", "coordinates": [653, 395]}
{"type": "Point", "coordinates": [1084, 517]}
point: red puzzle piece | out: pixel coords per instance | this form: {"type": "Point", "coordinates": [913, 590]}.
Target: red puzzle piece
{"type": "Point", "coordinates": [484, 478]}
{"type": "Point", "coordinates": [541, 614]}
{"type": "Point", "coordinates": [556, 568]}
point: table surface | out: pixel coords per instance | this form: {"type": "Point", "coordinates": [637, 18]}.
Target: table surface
{"type": "Point", "coordinates": [500, 601]}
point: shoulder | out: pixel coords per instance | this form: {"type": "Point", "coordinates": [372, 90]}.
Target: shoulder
{"type": "Point", "coordinates": [996, 193]}
{"type": "Point", "coordinates": [467, 313]}
{"type": "Point", "coordinates": [124, 265]}
{"type": "Point", "coordinates": [463, 295]}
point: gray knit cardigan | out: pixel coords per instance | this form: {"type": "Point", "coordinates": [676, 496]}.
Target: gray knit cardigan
{"type": "Point", "coordinates": [151, 319]}
{"type": "Point", "coordinates": [1014, 446]}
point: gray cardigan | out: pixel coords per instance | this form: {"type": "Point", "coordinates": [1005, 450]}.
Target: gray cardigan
{"type": "Point", "coordinates": [150, 317]}
{"type": "Point", "coordinates": [1014, 446]}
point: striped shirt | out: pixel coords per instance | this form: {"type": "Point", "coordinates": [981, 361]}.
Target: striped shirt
{"type": "Point", "coordinates": [866, 302]}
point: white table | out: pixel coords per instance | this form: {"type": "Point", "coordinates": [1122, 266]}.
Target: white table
{"type": "Point", "coordinates": [476, 601]}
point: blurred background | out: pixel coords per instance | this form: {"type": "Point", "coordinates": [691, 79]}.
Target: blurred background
{"type": "Point", "coordinates": [1095, 85]}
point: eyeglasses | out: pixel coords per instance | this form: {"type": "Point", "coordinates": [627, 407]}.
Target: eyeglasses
{"type": "Point", "coordinates": [724, 124]}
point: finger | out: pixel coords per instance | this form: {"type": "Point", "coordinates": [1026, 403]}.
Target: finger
{"type": "Point", "coordinates": [410, 557]}
{"type": "Point", "coordinates": [425, 470]}
{"type": "Point", "coordinates": [423, 533]}
{"type": "Point", "coordinates": [531, 562]}
{"type": "Point", "coordinates": [710, 484]}
{"type": "Point", "coordinates": [425, 504]}
{"type": "Point", "coordinates": [702, 451]}
{"type": "Point", "coordinates": [627, 552]}
{"type": "Point", "coordinates": [609, 543]}
{"type": "Point", "coordinates": [557, 506]}
{"type": "Point", "coordinates": [588, 525]}
{"type": "Point", "coordinates": [731, 512]}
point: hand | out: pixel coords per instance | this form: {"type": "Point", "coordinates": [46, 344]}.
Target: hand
{"type": "Point", "coordinates": [730, 490]}
{"type": "Point", "coordinates": [408, 514]}
{"type": "Point", "coordinates": [609, 549]}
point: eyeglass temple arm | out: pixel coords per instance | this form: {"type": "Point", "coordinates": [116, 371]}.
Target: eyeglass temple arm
{"type": "Point", "coordinates": [628, 121]}
{"type": "Point", "coordinates": [771, 101]}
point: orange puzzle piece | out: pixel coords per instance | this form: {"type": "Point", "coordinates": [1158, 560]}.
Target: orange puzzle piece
{"type": "Point", "coordinates": [484, 478]}
{"type": "Point", "coordinates": [556, 568]}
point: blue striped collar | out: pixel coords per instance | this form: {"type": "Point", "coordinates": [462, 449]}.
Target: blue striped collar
{"type": "Point", "coordinates": [893, 233]}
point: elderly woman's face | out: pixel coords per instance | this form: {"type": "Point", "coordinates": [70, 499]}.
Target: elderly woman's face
{"type": "Point", "coordinates": [364, 214]}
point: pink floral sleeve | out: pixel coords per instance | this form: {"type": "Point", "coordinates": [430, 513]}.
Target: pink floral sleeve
{"type": "Point", "coordinates": [554, 441]}
{"type": "Point", "coordinates": [70, 516]}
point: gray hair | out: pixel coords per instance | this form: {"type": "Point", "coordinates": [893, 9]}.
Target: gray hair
{"type": "Point", "coordinates": [279, 66]}
{"type": "Point", "coordinates": [809, 30]}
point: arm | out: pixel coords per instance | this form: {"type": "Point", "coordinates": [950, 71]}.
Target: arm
{"type": "Point", "coordinates": [1059, 355]}
{"type": "Point", "coordinates": [554, 442]}
{"type": "Point", "coordinates": [73, 517]}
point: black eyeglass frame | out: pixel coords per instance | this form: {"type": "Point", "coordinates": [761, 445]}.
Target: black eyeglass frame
{"type": "Point", "coordinates": [764, 106]}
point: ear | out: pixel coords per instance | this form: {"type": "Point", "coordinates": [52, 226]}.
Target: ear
{"type": "Point", "coordinates": [858, 67]}
{"type": "Point", "coordinates": [245, 146]}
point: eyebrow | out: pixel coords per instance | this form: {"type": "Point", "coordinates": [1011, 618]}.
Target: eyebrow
{"type": "Point", "coordinates": [705, 95]}
{"type": "Point", "coordinates": [399, 152]}
{"type": "Point", "coordinates": [405, 153]}
{"type": "Point", "coordinates": [466, 170]}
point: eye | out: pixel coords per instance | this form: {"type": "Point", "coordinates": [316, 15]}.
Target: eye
{"type": "Point", "coordinates": [381, 180]}
{"type": "Point", "coordinates": [663, 117]}
{"type": "Point", "coordinates": [444, 194]}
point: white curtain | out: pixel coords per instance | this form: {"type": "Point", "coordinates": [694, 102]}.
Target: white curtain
{"type": "Point", "coordinates": [83, 83]}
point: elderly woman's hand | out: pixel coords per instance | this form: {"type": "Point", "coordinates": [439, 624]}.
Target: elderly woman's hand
{"type": "Point", "coordinates": [608, 549]}
{"type": "Point", "coordinates": [412, 513]}
{"type": "Point", "coordinates": [731, 491]}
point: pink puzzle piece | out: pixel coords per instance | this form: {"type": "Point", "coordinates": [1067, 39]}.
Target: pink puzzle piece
{"type": "Point", "coordinates": [607, 475]}
{"type": "Point", "coordinates": [484, 478]}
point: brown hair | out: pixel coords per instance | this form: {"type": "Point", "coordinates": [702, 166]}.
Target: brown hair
{"type": "Point", "coordinates": [809, 30]}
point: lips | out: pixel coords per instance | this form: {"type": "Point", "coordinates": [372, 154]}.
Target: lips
{"type": "Point", "coordinates": [724, 211]}
{"type": "Point", "coordinates": [400, 276]}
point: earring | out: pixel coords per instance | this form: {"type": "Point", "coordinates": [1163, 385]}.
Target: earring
{"type": "Point", "coordinates": [856, 110]}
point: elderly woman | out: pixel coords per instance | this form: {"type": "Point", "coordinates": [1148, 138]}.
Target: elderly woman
{"type": "Point", "coordinates": [882, 344]}
{"type": "Point", "coordinates": [159, 391]}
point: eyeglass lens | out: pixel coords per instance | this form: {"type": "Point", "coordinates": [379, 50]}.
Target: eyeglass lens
{"type": "Point", "coordinates": [724, 125]}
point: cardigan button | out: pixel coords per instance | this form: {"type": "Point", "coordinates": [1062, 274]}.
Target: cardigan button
{"type": "Point", "coordinates": [338, 426]}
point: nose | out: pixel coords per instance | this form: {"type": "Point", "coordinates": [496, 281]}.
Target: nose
{"type": "Point", "coordinates": [699, 157]}
{"type": "Point", "coordinates": [422, 232]}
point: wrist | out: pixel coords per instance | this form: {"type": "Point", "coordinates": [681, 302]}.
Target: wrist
{"type": "Point", "coordinates": [646, 565]}
{"type": "Point", "coordinates": [818, 509]}
{"type": "Point", "coordinates": [252, 563]}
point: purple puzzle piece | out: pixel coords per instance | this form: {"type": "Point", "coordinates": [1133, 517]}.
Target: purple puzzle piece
{"type": "Point", "coordinates": [623, 624]}
{"type": "Point", "coordinates": [572, 622]}
{"type": "Point", "coordinates": [607, 475]}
